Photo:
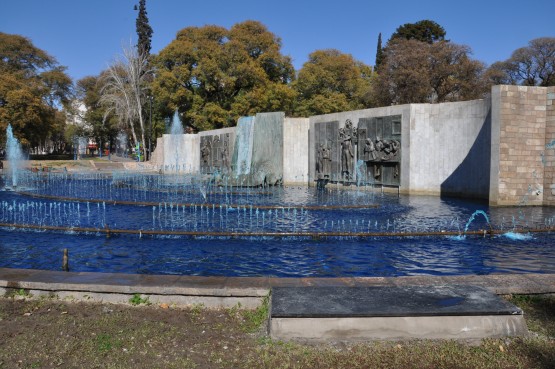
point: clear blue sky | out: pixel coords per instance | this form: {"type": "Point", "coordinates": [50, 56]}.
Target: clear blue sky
{"type": "Point", "coordinates": [86, 35]}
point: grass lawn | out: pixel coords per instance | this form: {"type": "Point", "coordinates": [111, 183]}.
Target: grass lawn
{"type": "Point", "coordinates": [50, 333]}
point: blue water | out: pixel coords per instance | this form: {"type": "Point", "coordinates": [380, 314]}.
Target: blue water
{"type": "Point", "coordinates": [460, 254]}
{"type": "Point", "coordinates": [277, 257]}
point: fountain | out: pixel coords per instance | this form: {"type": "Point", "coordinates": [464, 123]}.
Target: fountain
{"type": "Point", "coordinates": [121, 144]}
{"type": "Point", "coordinates": [14, 154]}
{"type": "Point", "coordinates": [150, 223]}
{"type": "Point", "coordinates": [187, 223]}
{"type": "Point", "coordinates": [176, 132]}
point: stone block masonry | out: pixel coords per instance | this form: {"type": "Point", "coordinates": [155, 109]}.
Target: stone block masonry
{"type": "Point", "coordinates": [549, 156]}
{"type": "Point", "coordinates": [522, 160]}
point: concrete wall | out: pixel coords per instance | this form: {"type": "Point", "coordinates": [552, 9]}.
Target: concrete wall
{"type": "Point", "coordinates": [444, 148]}
{"type": "Point", "coordinates": [449, 148]}
{"type": "Point", "coordinates": [221, 131]}
{"type": "Point", "coordinates": [181, 153]}
{"type": "Point", "coordinates": [214, 132]}
{"type": "Point", "coordinates": [295, 150]}
{"type": "Point", "coordinates": [501, 148]}
{"type": "Point", "coordinates": [520, 133]}
{"type": "Point", "coordinates": [354, 116]}
{"type": "Point", "coordinates": [157, 158]}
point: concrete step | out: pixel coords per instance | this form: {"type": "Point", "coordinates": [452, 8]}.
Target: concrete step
{"type": "Point", "coordinates": [392, 313]}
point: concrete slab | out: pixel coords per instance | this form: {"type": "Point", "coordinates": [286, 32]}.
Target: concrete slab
{"type": "Point", "coordinates": [397, 328]}
{"type": "Point", "coordinates": [384, 312]}
{"type": "Point", "coordinates": [328, 302]}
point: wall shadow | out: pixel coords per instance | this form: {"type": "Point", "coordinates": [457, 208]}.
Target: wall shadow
{"type": "Point", "coordinates": [471, 179]}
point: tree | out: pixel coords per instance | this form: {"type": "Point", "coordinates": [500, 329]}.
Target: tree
{"type": "Point", "coordinates": [104, 125]}
{"type": "Point", "coordinates": [33, 88]}
{"type": "Point", "coordinates": [425, 31]}
{"type": "Point", "coordinates": [123, 92]}
{"type": "Point", "coordinates": [144, 30]}
{"type": "Point", "coordinates": [418, 72]}
{"type": "Point", "coordinates": [379, 53]}
{"type": "Point", "coordinates": [497, 74]}
{"type": "Point", "coordinates": [214, 75]}
{"type": "Point", "coordinates": [533, 65]}
{"type": "Point", "coordinates": [331, 81]}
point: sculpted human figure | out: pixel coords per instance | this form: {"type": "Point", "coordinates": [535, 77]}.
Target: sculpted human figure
{"type": "Point", "coordinates": [205, 154]}
{"type": "Point", "coordinates": [326, 161]}
{"type": "Point", "coordinates": [369, 151]}
{"type": "Point", "coordinates": [380, 146]}
{"type": "Point", "coordinates": [346, 153]}
{"type": "Point", "coordinates": [395, 147]}
{"type": "Point", "coordinates": [319, 160]}
{"type": "Point", "coordinates": [225, 157]}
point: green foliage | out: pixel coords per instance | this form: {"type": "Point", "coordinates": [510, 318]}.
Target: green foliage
{"type": "Point", "coordinates": [104, 126]}
{"type": "Point", "coordinates": [424, 31]}
{"type": "Point", "coordinates": [32, 89]}
{"type": "Point", "coordinates": [138, 300]}
{"type": "Point", "coordinates": [144, 30]}
{"type": "Point", "coordinates": [253, 319]}
{"type": "Point", "coordinates": [21, 293]}
{"type": "Point", "coordinates": [213, 75]}
{"type": "Point", "coordinates": [379, 52]}
{"type": "Point", "coordinates": [196, 309]}
{"type": "Point", "coordinates": [331, 81]}
{"type": "Point", "coordinates": [539, 311]}
{"type": "Point", "coordinates": [105, 343]}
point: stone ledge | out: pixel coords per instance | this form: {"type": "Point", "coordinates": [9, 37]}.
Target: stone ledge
{"type": "Point", "coordinates": [86, 283]}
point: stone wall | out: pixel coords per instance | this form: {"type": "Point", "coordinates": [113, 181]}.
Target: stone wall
{"type": "Point", "coordinates": [295, 150]}
{"type": "Point", "coordinates": [549, 158]}
{"type": "Point", "coordinates": [519, 140]}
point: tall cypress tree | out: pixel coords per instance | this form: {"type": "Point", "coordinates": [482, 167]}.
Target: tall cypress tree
{"type": "Point", "coordinates": [144, 30]}
{"type": "Point", "coordinates": [379, 52]}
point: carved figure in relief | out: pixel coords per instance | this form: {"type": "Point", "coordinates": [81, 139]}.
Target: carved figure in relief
{"type": "Point", "coordinates": [323, 161]}
{"type": "Point", "coordinates": [347, 154]}
{"type": "Point", "coordinates": [319, 160]}
{"type": "Point", "coordinates": [326, 161]}
{"type": "Point", "coordinates": [379, 146]}
{"type": "Point", "coordinates": [370, 153]}
{"type": "Point", "coordinates": [348, 137]}
{"type": "Point", "coordinates": [225, 157]}
{"type": "Point", "coordinates": [205, 154]}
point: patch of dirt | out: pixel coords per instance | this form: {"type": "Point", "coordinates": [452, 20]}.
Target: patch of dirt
{"type": "Point", "coordinates": [50, 333]}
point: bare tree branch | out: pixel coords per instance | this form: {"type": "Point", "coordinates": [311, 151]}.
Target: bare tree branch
{"type": "Point", "coordinates": [124, 91]}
